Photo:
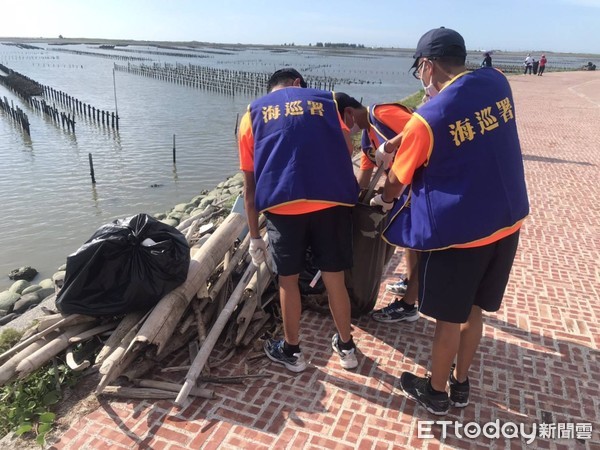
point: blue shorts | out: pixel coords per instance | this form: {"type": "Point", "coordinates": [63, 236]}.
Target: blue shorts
{"type": "Point", "coordinates": [327, 232]}
{"type": "Point", "coordinates": [452, 281]}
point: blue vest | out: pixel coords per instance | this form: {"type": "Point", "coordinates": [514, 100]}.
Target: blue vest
{"type": "Point", "coordinates": [300, 153]}
{"type": "Point", "coordinates": [473, 183]}
{"type": "Point", "coordinates": [382, 131]}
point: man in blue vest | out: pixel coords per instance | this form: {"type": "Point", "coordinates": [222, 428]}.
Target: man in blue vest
{"type": "Point", "coordinates": [461, 155]}
{"type": "Point", "coordinates": [380, 123]}
{"type": "Point", "coordinates": [295, 154]}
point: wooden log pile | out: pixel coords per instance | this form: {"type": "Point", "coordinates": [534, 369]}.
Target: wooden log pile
{"type": "Point", "coordinates": [225, 299]}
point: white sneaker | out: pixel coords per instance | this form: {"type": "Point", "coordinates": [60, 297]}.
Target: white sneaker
{"type": "Point", "coordinates": [347, 357]}
{"type": "Point", "coordinates": [398, 288]}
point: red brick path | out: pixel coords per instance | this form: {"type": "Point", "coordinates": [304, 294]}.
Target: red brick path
{"type": "Point", "coordinates": [539, 359]}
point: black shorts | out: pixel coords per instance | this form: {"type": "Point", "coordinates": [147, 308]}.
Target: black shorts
{"type": "Point", "coordinates": [452, 281]}
{"type": "Point", "coordinates": [327, 232]}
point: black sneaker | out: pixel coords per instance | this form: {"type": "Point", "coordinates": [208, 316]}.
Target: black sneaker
{"type": "Point", "coordinates": [396, 312]}
{"type": "Point", "coordinates": [459, 392]}
{"type": "Point", "coordinates": [274, 350]}
{"type": "Point", "coordinates": [418, 389]}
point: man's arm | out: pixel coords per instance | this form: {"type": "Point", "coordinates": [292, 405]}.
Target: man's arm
{"type": "Point", "coordinates": [251, 212]}
{"type": "Point", "coordinates": [392, 188]}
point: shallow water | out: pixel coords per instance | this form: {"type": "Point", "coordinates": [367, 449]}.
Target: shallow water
{"type": "Point", "coordinates": [49, 205]}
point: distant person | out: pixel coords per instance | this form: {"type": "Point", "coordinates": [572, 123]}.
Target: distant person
{"type": "Point", "coordinates": [381, 123]}
{"type": "Point", "coordinates": [295, 154]}
{"type": "Point", "coordinates": [542, 66]}
{"type": "Point", "coordinates": [528, 63]}
{"type": "Point", "coordinates": [487, 60]}
{"type": "Point", "coordinates": [461, 155]}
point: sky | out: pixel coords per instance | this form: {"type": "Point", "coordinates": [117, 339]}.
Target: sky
{"type": "Point", "coordinates": [509, 25]}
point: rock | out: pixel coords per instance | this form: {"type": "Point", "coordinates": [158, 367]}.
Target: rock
{"type": "Point", "coordinates": [195, 212]}
{"type": "Point", "coordinates": [59, 278]}
{"type": "Point", "coordinates": [177, 215]}
{"type": "Point", "coordinates": [197, 199]}
{"type": "Point", "coordinates": [30, 289]}
{"type": "Point", "coordinates": [45, 293]}
{"type": "Point", "coordinates": [26, 302]}
{"type": "Point", "coordinates": [18, 286]}
{"type": "Point", "coordinates": [208, 200]}
{"type": "Point", "coordinates": [171, 222]}
{"type": "Point", "coordinates": [63, 267]}
{"type": "Point", "coordinates": [184, 206]}
{"type": "Point", "coordinates": [8, 299]}
{"type": "Point", "coordinates": [47, 283]}
{"type": "Point", "coordinates": [23, 273]}
{"type": "Point", "coordinates": [160, 216]}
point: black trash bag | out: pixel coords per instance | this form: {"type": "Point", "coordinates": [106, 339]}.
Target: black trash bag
{"type": "Point", "coordinates": [370, 256]}
{"type": "Point", "coordinates": [127, 265]}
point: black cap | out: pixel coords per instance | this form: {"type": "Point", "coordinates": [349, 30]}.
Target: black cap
{"type": "Point", "coordinates": [286, 72]}
{"type": "Point", "coordinates": [439, 42]}
{"type": "Point", "coordinates": [344, 101]}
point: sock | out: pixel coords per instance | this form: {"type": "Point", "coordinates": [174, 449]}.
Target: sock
{"type": "Point", "coordinates": [346, 345]}
{"type": "Point", "coordinates": [455, 381]}
{"type": "Point", "coordinates": [432, 390]}
{"type": "Point", "coordinates": [406, 306]}
{"type": "Point", "coordinates": [289, 350]}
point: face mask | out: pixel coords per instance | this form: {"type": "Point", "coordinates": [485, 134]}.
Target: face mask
{"type": "Point", "coordinates": [430, 90]}
{"type": "Point", "coordinates": [355, 128]}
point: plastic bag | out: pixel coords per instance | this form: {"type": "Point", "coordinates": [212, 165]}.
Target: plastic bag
{"type": "Point", "coordinates": [370, 256]}
{"type": "Point", "coordinates": [127, 265]}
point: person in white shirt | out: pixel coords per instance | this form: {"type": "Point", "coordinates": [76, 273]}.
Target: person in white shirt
{"type": "Point", "coordinates": [528, 64]}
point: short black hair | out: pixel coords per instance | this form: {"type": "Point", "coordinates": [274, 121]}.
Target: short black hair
{"type": "Point", "coordinates": [282, 75]}
{"type": "Point", "coordinates": [344, 101]}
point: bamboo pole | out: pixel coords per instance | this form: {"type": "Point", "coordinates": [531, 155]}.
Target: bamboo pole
{"type": "Point", "coordinates": [9, 368]}
{"type": "Point", "coordinates": [239, 254]}
{"type": "Point", "coordinates": [114, 363]}
{"type": "Point", "coordinates": [174, 387]}
{"type": "Point", "coordinates": [42, 355]}
{"type": "Point", "coordinates": [126, 324]}
{"type": "Point", "coordinates": [213, 335]}
{"type": "Point", "coordinates": [92, 332]}
{"type": "Point", "coordinates": [68, 320]}
{"type": "Point", "coordinates": [140, 393]}
{"type": "Point", "coordinates": [151, 359]}
{"type": "Point", "coordinates": [261, 279]}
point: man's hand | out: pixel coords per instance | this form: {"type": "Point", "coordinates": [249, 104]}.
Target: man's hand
{"type": "Point", "coordinates": [258, 251]}
{"type": "Point", "coordinates": [379, 201]}
{"type": "Point", "coordinates": [383, 157]}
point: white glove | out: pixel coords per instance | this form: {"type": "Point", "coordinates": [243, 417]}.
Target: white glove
{"type": "Point", "coordinates": [258, 251]}
{"type": "Point", "coordinates": [378, 201]}
{"type": "Point", "coordinates": [383, 157]}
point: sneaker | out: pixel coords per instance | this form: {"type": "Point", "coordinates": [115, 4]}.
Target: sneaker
{"type": "Point", "coordinates": [274, 350]}
{"type": "Point", "coordinates": [347, 357]}
{"type": "Point", "coordinates": [418, 389]}
{"type": "Point", "coordinates": [396, 312]}
{"type": "Point", "coordinates": [398, 288]}
{"type": "Point", "coordinates": [459, 392]}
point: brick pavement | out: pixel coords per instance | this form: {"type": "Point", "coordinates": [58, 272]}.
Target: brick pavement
{"type": "Point", "coordinates": [539, 358]}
